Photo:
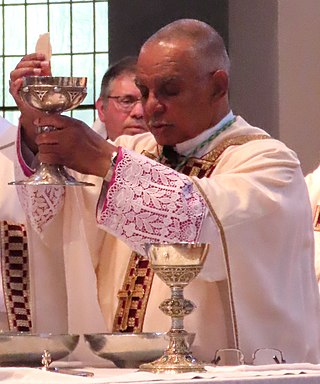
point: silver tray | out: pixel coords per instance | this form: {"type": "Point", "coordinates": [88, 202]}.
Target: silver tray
{"type": "Point", "coordinates": [26, 349]}
{"type": "Point", "coordinates": [130, 350]}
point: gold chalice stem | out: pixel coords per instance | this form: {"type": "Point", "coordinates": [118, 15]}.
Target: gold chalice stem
{"type": "Point", "coordinates": [176, 264]}
{"type": "Point", "coordinates": [177, 307]}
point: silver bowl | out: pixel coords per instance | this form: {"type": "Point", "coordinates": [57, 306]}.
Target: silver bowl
{"type": "Point", "coordinates": [53, 94]}
{"type": "Point", "coordinates": [129, 350]}
{"type": "Point", "coordinates": [26, 349]}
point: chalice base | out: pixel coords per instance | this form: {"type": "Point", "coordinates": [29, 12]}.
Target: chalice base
{"type": "Point", "coordinates": [174, 363]}
{"type": "Point", "coordinates": [51, 175]}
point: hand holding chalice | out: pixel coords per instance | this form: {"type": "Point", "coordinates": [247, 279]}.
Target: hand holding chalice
{"type": "Point", "coordinates": [52, 95]}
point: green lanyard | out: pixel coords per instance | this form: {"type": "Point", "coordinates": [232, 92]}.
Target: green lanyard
{"type": "Point", "coordinates": [201, 145]}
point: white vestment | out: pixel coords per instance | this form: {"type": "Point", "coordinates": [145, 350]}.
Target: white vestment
{"type": "Point", "coordinates": [99, 127]}
{"type": "Point", "coordinates": [10, 208]}
{"type": "Point", "coordinates": [253, 210]}
{"type": "Point", "coordinates": [56, 297]}
{"type": "Point", "coordinates": [313, 184]}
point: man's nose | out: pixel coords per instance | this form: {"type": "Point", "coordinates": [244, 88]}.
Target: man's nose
{"type": "Point", "coordinates": [153, 105]}
{"type": "Point", "coordinates": [137, 110]}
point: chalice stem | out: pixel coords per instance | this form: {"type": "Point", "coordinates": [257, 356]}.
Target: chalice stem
{"type": "Point", "coordinates": [176, 265]}
{"type": "Point", "coordinates": [177, 333]}
{"type": "Point", "coordinates": [177, 312]}
{"type": "Point", "coordinates": [53, 174]}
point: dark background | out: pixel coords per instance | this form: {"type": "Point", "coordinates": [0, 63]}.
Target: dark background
{"type": "Point", "coordinates": [131, 22]}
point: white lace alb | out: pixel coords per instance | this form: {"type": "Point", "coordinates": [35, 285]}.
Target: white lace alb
{"type": "Point", "coordinates": [40, 203]}
{"type": "Point", "coordinates": [151, 203]}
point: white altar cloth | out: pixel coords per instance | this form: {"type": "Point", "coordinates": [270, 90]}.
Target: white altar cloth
{"type": "Point", "coordinates": [271, 374]}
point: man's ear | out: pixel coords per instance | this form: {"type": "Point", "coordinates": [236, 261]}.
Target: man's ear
{"type": "Point", "coordinates": [100, 107]}
{"type": "Point", "coordinates": [220, 83]}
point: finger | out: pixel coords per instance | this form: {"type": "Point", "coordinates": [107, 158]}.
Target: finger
{"type": "Point", "coordinates": [32, 64]}
{"type": "Point", "coordinates": [36, 64]}
{"type": "Point", "coordinates": [55, 120]}
{"type": "Point", "coordinates": [21, 72]}
{"type": "Point", "coordinates": [49, 158]}
{"type": "Point", "coordinates": [48, 149]}
{"type": "Point", "coordinates": [29, 64]}
{"type": "Point", "coordinates": [14, 87]}
{"type": "Point", "coordinates": [45, 68]}
{"type": "Point", "coordinates": [34, 56]}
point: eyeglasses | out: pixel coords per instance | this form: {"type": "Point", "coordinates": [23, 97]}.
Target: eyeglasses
{"type": "Point", "coordinates": [227, 356]}
{"type": "Point", "coordinates": [260, 356]}
{"type": "Point", "coordinates": [126, 103]}
{"type": "Point", "coordinates": [267, 356]}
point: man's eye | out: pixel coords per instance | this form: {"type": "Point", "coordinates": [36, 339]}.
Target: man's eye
{"type": "Point", "coordinates": [170, 91]}
{"type": "Point", "coordinates": [128, 100]}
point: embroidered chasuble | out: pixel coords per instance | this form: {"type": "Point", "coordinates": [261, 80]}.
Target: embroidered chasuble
{"type": "Point", "coordinates": [134, 295]}
{"type": "Point", "coordinates": [238, 197]}
{"type": "Point", "coordinates": [15, 275]}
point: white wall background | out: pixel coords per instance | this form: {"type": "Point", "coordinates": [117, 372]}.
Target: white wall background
{"type": "Point", "coordinates": [274, 47]}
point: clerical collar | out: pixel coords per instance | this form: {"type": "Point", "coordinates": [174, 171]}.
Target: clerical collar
{"type": "Point", "coordinates": [195, 146]}
{"type": "Point", "coordinates": [187, 146]}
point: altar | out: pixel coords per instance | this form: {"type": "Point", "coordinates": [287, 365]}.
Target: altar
{"type": "Point", "coordinates": [271, 374]}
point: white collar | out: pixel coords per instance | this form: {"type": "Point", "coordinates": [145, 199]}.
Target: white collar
{"type": "Point", "coordinates": [187, 146]}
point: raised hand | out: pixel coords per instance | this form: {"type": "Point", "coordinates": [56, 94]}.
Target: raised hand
{"type": "Point", "coordinates": [30, 65]}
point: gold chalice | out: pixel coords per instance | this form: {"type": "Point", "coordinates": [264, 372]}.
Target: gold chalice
{"type": "Point", "coordinates": [176, 265]}
{"type": "Point", "coordinates": [52, 95]}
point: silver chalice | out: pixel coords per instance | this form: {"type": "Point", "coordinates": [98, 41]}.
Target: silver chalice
{"type": "Point", "coordinates": [52, 95]}
{"type": "Point", "coordinates": [176, 265]}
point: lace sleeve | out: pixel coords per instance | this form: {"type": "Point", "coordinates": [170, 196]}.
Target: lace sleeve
{"type": "Point", "coordinates": [149, 202]}
{"type": "Point", "coordinates": [40, 203]}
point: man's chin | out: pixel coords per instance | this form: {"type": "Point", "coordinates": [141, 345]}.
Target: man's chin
{"type": "Point", "coordinates": [162, 140]}
{"type": "Point", "coordinates": [134, 131]}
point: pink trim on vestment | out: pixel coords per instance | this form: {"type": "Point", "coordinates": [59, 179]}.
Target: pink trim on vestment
{"type": "Point", "coordinates": [25, 168]}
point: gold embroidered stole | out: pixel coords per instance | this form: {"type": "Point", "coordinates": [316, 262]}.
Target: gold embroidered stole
{"type": "Point", "coordinates": [15, 275]}
{"type": "Point", "coordinates": [316, 219]}
{"type": "Point", "coordinates": [134, 295]}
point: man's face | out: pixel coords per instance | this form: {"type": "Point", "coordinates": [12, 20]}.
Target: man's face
{"type": "Point", "coordinates": [176, 92]}
{"type": "Point", "coordinates": [119, 119]}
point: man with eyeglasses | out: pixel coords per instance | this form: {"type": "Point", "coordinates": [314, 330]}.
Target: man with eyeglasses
{"type": "Point", "coordinates": [119, 107]}
{"type": "Point", "coordinates": [202, 174]}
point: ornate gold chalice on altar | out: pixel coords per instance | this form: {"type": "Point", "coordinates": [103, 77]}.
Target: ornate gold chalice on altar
{"type": "Point", "coordinates": [177, 265]}
{"type": "Point", "coordinates": [52, 95]}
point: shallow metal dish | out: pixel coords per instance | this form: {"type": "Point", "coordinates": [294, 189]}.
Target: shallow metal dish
{"type": "Point", "coordinates": [129, 350]}
{"type": "Point", "coordinates": [26, 349]}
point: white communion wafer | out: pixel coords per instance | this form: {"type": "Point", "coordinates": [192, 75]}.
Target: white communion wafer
{"type": "Point", "coordinates": [43, 45]}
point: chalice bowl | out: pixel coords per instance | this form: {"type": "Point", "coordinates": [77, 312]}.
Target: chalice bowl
{"type": "Point", "coordinates": [52, 95]}
{"type": "Point", "coordinates": [176, 265]}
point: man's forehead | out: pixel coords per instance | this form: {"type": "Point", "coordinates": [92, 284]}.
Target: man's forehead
{"type": "Point", "coordinates": [165, 57]}
{"type": "Point", "coordinates": [165, 75]}
{"type": "Point", "coordinates": [125, 76]}
{"type": "Point", "coordinates": [164, 72]}
{"type": "Point", "coordinates": [163, 49]}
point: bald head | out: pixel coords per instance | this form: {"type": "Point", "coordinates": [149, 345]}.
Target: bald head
{"type": "Point", "coordinates": [182, 74]}
{"type": "Point", "coordinates": [204, 42]}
